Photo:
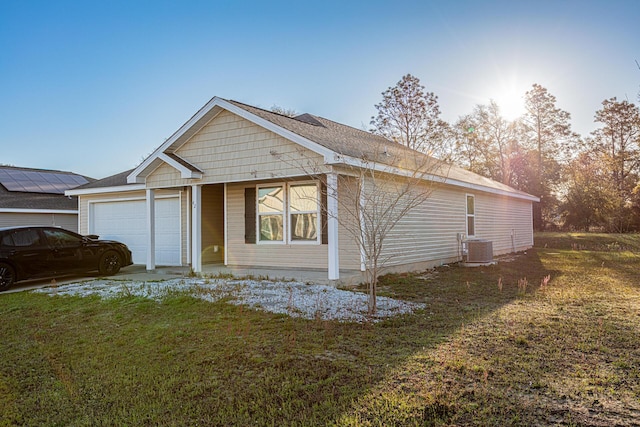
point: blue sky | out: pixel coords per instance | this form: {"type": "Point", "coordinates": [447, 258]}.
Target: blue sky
{"type": "Point", "coordinates": [95, 86]}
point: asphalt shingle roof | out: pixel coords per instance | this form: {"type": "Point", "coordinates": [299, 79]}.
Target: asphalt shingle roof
{"type": "Point", "coordinates": [360, 144]}
{"type": "Point", "coordinates": [116, 180]}
{"type": "Point", "coordinates": [348, 141]}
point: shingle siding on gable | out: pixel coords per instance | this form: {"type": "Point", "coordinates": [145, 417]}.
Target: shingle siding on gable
{"type": "Point", "coordinates": [232, 149]}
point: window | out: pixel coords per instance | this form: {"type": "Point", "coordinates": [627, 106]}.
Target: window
{"type": "Point", "coordinates": [22, 238]}
{"type": "Point", "coordinates": [271, 213]}
{"type": "Point", "coordinates": [287, 213]}
{"type": "Point", "coordinates": [303, 211]}
{"type": "Point", "coordinates": [471, 216]}
{"type": "Point", "coordinates": [62, 239]}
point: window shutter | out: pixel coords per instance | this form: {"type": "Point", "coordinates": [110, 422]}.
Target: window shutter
{"type": "Point", "coordinates": [323, 213]}
{"type": "Point", "coordinates": [250, 215]}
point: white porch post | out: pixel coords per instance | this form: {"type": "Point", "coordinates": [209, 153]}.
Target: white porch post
{"type": "Point", "coordinates": [151, 229]}
{"type": "Point", "coordinates": [332, 226]}
{"type": "Point", "coordinates": [196, 228]}
{"type": "Point", "coordinates": [226, 238]}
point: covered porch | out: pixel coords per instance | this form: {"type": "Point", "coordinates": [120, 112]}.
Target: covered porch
{"type": "Point", "coordinates": [347, 277]}
{"type": "Point", "coordinates": [213, 243]}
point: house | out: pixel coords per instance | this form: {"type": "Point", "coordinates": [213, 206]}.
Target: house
{"type": "Point", "coordinates": [36, 197]}
{"type": "Point", "coordinates": [233, 186]}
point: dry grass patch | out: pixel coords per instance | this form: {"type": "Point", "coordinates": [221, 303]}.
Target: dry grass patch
{"type": "Point", "coordinates": [487, 350]}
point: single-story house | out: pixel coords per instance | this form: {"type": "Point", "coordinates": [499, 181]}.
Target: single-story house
{"type": "Point", "coordinates": [36, 197]}
{"type": "Point", "coordinates": [243, 187]}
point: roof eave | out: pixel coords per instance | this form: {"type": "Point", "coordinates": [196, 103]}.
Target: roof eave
{"type": "Point", "coordinates": [104, 190]}
{"type": "Point", "coordinates": [355, 162]}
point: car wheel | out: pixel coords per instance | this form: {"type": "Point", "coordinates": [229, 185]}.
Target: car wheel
{"type": "Point", "coordinates": [109, 263]}
{"type": "Point", "coordinates": [7, 276]}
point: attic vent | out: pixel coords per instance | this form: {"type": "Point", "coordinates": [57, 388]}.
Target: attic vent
{"type": "Point", "coordinates": [479, 251]}
{"type": "Point", "coordinates": [308, 119]}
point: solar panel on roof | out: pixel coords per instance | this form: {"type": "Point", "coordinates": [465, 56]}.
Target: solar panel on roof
{"type": "Point", "coordinates": [39, 181]}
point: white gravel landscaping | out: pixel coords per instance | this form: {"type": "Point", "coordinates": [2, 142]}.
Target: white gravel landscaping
{"type": "Point", "coordinates": [292, 298]}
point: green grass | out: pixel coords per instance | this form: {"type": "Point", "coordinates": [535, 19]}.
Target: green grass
{"type": "Point", "coordinates": [485, 351]}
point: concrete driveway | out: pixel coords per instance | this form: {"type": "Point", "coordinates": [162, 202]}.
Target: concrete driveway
{"type": "Point", "coordinates": [132, 272]}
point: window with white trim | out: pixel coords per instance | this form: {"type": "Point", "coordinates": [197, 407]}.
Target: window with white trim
{"type": "Point", "coordinates": [288, 213]}
{"type": "Point", "coordinates": [271, 213]}
{"type": "Point", "coordinates": [471, 215]}
{"type": "Point", "coordinates": [303, 212]}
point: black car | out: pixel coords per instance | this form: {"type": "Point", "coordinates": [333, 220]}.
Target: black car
{"type": "Point", "coordinates": [42, 252]}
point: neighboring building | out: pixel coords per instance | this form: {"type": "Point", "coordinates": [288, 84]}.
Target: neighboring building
{"type": "Point", "coordinates": [220, 190]}
{"type": "Point", "coordinates": [36, 197]}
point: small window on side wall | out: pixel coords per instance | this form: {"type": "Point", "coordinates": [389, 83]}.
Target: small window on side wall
{"type": "Point", "coordinates": [471, 216]}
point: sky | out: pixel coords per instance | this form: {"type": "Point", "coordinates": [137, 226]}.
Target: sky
{"type": "Point", "coordinates": [94, 87]}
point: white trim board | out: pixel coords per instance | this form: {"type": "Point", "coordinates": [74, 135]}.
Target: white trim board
{"type": "Point", "coordinates": [39, 211]}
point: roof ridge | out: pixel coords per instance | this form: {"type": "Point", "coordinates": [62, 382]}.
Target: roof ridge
{"type": "Point", "coordinates": [312, 115]}
{"type": "Point", "coordinates": [259, 108]}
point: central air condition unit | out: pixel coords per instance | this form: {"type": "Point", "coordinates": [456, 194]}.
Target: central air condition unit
{"type": "Point", "coordinates": [479, 251]}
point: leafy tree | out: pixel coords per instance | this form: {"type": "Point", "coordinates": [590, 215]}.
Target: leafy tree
{"type": "Point", "coordinates": [590, 200]}
{"type": "Point", "coordinates": [410, 116]}
{"type": "Point", "coordinates": [618, 143]}
{"type": "Point", "coordinates": [618, 139]}
{"type": "Point", "coordinates": [488, 143]}
{"type": "Point", "coordinates": [547, 133]}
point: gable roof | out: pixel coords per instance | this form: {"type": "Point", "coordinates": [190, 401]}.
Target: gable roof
{"type": "Point", "coordinates": [12, 201]}
{"type": "Point", "coordinates": [337, 143]}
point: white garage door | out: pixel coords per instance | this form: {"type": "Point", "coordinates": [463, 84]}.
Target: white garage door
{"type": "Point", "coordinates": [125, 221]}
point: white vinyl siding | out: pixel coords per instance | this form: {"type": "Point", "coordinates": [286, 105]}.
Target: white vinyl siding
{"type": "Point", "coordinates": [14, 219]}
{"type": "Point", "coordinates": [507, 222]}
{"type": "Point", "coordinates": [429, 233]}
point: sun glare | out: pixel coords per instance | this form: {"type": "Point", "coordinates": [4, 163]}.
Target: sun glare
{"type": "Point", "coordinates": [510, 97]}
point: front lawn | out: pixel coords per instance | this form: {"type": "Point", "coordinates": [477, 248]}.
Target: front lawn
{"type": "Point", "coordinates": [550, 337]}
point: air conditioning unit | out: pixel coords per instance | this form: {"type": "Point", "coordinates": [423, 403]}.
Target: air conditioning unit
{"type": "Point", "coordinates": [479, 251]}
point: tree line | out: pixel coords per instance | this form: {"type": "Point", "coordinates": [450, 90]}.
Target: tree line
{"type": "Point", "coordinates": [583, 182]}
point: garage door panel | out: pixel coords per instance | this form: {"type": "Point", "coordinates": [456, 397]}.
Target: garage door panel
{"type": "Point", "coordinates": [125, 221]}
{"type": "Point", "coordinates": [168, 232]}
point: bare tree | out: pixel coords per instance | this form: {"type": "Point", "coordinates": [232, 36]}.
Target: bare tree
{"type": "Point", "coordinates": [374, 192]}
{"type": "Point", "coordinates": [289, 112]}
